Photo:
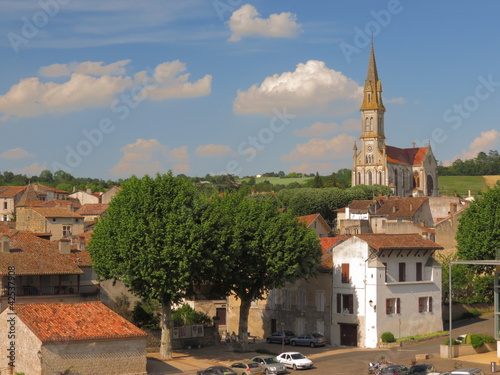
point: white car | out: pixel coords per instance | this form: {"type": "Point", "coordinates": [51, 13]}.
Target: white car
{"type": "Point", "coordinates": [295, 360]}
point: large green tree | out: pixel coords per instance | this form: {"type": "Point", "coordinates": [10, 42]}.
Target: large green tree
{"type": "Point", "coordinates": [264, 248]}
{"type": "Point", "coordinates": [147, 240]}
{"type": "Point", "coordinates": [478, 234]}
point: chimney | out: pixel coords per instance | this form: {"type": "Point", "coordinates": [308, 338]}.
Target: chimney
{"type": "Point", "coordinates": [89, 191]}
{"type": "Point", "coordinates": [69, 207]}
{"type": "Point", "coordinates": [5, 244]}
{"type": "Point", "coordinates": [453, 208]}
{"type": "Point", "coordinates": [394, 208]}
{"type": "Point", "coordinates": [64, 246]}
{"type": "Point", "coordinates": [411, 206]}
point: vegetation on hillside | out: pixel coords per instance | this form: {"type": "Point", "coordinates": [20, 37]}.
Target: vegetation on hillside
{"type": "Point", "coordinates": [482, 165]}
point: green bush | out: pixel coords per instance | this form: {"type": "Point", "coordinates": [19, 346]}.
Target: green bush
{"type": "Point", "coordinates": [453, 342]}
{"type": "Point", "coordinates": [479, 340]}
{"type": "Point", "coordinates": [387, 337]}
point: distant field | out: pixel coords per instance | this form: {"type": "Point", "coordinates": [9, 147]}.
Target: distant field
{"type": "Point", "coordinates": [279, 180]}
{"type": "Point", "coordinates": [449, 185]}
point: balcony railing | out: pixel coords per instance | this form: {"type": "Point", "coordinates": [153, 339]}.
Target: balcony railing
{"type": "Point", "coordinates": [28, 290]}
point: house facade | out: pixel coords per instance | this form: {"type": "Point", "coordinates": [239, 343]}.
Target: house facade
{"type": "Point", "coordinates": [317, 223]}
{"type": "Point", "coordinates": [385, 283]}
{"type": "Point", "coordinates": [87, 338]}
{"type": "Point", "coordinates": [9, 198]}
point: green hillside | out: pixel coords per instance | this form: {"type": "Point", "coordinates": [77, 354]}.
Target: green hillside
{"type": "Point", "coordinates": [279, 180]}
{"type": "Point", "coordinates": [450, 185]}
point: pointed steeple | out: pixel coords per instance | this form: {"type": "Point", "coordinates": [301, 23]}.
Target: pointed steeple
{"type": "Point", "coordinates": [372, 92]}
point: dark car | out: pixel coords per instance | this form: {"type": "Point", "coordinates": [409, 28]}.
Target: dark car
{"type": "Point", "coordinates": [309, 339]}
{"type": "Point", "coordinates": [217, 370]}
{"type": "Point", "coordinates": [278, 337]}
{"type": "Point", "coordinates": [421, 369]}
{"type": "Point", "coordinates": [394, 370]}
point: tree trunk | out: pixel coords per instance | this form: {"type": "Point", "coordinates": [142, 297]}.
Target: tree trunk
{"type": "Point", "coordinates": [166, 331]}
{"type": "Point", "coordinates": [243, 326]}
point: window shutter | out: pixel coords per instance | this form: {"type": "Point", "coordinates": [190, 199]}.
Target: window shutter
{"type": "Point", "coordinates": [419, 271]}
{"type": "Point", "coordinates": [388, 306]}
{"type": "Point", "coordinates": [402, 272]}
{"type": "Point", "coordinates": [385, 271]}
{"type": "Point", "coordinates": [398, 305]}
{"type": "Point", "coordinates": [420, 304]}
{"type": "Point", "coordinates": [430, 304]}
{"type": "Point", "coordinates": [339, 303]}
{"type": "Point", "coordinates": [345, 273]}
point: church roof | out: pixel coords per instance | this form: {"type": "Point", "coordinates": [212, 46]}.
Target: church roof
{"type": "Point", "coordinates": [411, 156]}
{"type": "Point", "coordinates": [372, 86]}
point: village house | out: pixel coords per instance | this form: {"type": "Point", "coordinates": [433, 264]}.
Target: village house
{"type": "Point", "coordinates": [43, 271]}
{"type": "Point", "coordinates": [303, 306]}
{"type": "Point", "coordinates": [47, 193]}
{"type": "Point", "coordinates": [85, 197]}
{"type": "Point", "coordinates": [108, 195]}
{"type": "Point", "coordinates": [385, 283]}
{"type": "Point", "coordinates": [92, 212]}
{"type": "Point", "coordinates": [84, 337]}
{"type": "Point", "coordinates": [317, 223]}
{"type": "Point", "coordinates": [9, 198]}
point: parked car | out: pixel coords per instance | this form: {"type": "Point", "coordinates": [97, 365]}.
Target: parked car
{"type": "Point", "coordinates": [247, 368]}
{"type": "Point", "coordinates": [394, 370]}
{"type": "Point", "coordinates": [467, 371]}
{"type": "Point", "coordinates": [277, 337]}
{"type": "Point", "coordinates": [270, 365]}
{"type": "Point", "coordinates": [309, 339]}
{"type": "Point", "coordinates": [295, 360]}
{"type": "Point", "coordinates": [421, 369]}
{"type": "Point", "coordinates": [217, 370]}
{"type": "Point", "coordinates": [461, 338]}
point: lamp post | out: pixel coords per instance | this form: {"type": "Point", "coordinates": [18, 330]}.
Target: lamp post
{"type": "Point", "coordinates": [282, 336]}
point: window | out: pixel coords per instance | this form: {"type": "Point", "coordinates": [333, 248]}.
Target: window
{"type": "Point", "coordinates": [345, 303]}
{"type": "Point", "coordinates": [393, 306]}
{"type": "Point", "coordinates": [385, 265]}
{"type": "Point", "coordinates": [424, 304]}
{"type": "Point", "coordinates": [320, 300]}
{"type": "Point", "coordinates": [286, 298]}
{"type": "Point", "coordinates": [418, 271]}
{"type": "Point", "coordinates": [4, 205]}
{"type": "Point", "coordinates": [345, 273]}
{"type": "Point", "coordinates": [301, 300]}
{"type": "Point", "coordinates": [402, 272]}
{"type": "Point", "coordinates": [66, 230]}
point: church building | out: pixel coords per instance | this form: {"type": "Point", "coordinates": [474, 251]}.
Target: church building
{"type": "Point", "coordinates": [409, 172]}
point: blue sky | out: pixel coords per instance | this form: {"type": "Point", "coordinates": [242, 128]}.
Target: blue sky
{"type": "Point", "coordinates": [112, 88]}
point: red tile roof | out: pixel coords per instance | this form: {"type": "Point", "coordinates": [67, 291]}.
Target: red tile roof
{"type": "Point", "coordinates": [56, 212]}
{"type": "Point", "coordinates": [412, 156]}
{"type": "Point", "coordinates": [93, 209]}
{"type": "Point", "coordinates": [404, 207]}
{"type": "Point", "coordinates": [10, 191]}
{"type": "Point", "coordinates": [49, 188]}
{"type": "Point", "coordinates": [382, 241]}
{"type": "Point", "coordinates": [52, 322]}
{"type": "Point", "coordinates": [61, 203]}
{"type": "Point", "coordinates": [326, 245]}
{"type": "Point", "coordinates": [307, 220]}
{"type": "Point", "coordinates": [31, 255]}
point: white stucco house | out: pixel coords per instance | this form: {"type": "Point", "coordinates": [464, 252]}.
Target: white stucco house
{"type": "Point", "coordinates": [385, 283]}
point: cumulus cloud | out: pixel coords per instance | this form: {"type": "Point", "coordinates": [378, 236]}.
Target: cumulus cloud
{"type": "Point", "coordinates": [321, 129]}
{"type": "Point", "coordinates": [150, 157]}
{"type": "Point", "coordinates": [214, 151]}
{"type": "Point", "coordinates": [93, 85]}
{"type": "Point", "coordinates": [311, 89]}
{"type": "Point", "coordinates": [31, 170]}
{"type": "Point", "coordinates": [321, 168]}
{"type": "Point", "coordinates": [488, 140]}
{"type": "Point", "coordinates": [168, 82]}
{"type": "Point", "coordinates": [246, 21]}
{"type": "Point", "coordinates": [322, 149]}
{"type": "Point", "coordinates": [16, 153]}
{"type": "Point", "coordinates": [88, 67]}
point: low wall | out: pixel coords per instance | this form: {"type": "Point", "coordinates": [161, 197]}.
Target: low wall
{"type": "Point", "coordinates": [459, 309]}
{"type": "Point", "coordinates": [465, 349]}
{"type": "Point", "coordinates": [210, 337]}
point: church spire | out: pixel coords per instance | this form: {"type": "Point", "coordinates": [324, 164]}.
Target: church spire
{"type": "Point", "coordinates": [372, 92]}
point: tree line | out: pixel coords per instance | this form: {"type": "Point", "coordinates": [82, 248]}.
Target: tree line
{"type": "Point", "coordinates": [482, 165]}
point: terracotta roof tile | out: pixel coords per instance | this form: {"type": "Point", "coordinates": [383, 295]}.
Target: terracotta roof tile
{"type": "Point", "coordinates": [56, 212]}
{"type": "Point", "coordinates": [403, 207]}
{"type": "Point", "coordinates": [61, 203]}
{"type": "Point", "coordinates": [29, 197]}
{"type": "Point", "coordinates": [10, 191]}
{"type": "Point", "coordinates": [412, 156]}
{"type": "Point", "coordinates": [52, 322]}
{"type": "Point", "coordinates": [93, 209]}
{"type": "Point", "coordinates": [382, 241]}
{"type": "Point", "coordinates": [31, 255]}
{"type": "Point", "coordinates": [307, 220]}
{"type": "Point", "coordinates": [49, 188]}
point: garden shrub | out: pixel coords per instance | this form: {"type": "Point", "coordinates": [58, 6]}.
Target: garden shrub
{"type": "Point", "coordinates": [387, 337]}
{"type": "Point", "coordinates": [453, 342]}
{"type": "Point", "coordinates": [479, 340]}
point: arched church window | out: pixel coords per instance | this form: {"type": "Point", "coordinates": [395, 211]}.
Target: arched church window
{"type": "Point", "coordinates": [359, 178]}
{"type": "Point", "coordinates": [416, 180]}
{"type": "Point", "coordinates": [367, 124]}
{"type": "Point", "coordinates": [370, 178]}
{"type": "Point", "coordinates": [371, 124]}
{"type": "Point", "coordinates": [369, 97]}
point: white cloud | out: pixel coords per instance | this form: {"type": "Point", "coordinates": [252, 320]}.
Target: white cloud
{"type": "Point", "coordinates": [170, 83]}
{"type": "Point", "coordinates": [396, 100]}
{"type": "Point", "coordinates": [246, 21]}
{"type": "Point", "coordinates": [214, 151]}
{"type": "Point", "coordinates": [321, 168]}
{"type": "Point", "coordinates": [93, 85]}
{"type": "Point", "coordinates": [318, 129]}
{"type": "Point", "coordinates": [488, 140]}
{"type": "Point", "coordinates": [311, 89]}
{"type": "Point", "coordinates": [16, 153]}
{"type": "Point", "coordinates": [31, 170]}
{"type": "Point", "coordinates": [322, 149]}
{"type": "Point", "coordinates": [150, 157]}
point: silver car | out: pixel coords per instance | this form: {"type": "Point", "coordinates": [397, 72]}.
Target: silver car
{"type": "Point", "coordinates": [309, 339]}
{"type": "Point", "coordinates": [270, 365]}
